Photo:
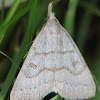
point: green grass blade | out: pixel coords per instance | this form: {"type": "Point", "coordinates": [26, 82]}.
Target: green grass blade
{"type": "Point", "coordinates": [6, 38]}
{"type": "Point", "coordinates": [70, 16]}
{"type": "Point", "coordinates": [83, 29]}
{"type": "Point", "coordinates": [22, 12]}
{"type": "Point", "coordinates": [30, 22]}
{"type": "Point", "coordinates": [12, 11]}
{"type": "Point", "coordinates": [8, 58]}
{"type": "Point", "coordinates": [55, 97]}
{"type": "Point", "coordinates": [4, 70]}
{"type": "Point", "coordinates": [19, 56]}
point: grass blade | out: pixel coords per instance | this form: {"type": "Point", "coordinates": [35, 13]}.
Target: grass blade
{"type": "Point", "coordinates": [4, 70]}
{"type": "Point", "coordinates": [55, 97]}
{"type": "Point", "coordinates": [22, 12]}
{"type": "Point", "coordinates": [19, 56]}
{"type": "Point", "coordinates": [70, 16]}
{"type": "Point", "coordinates": [8, 58]}
{"type": "Point", "coordinates": [83, 29]}
{"type": "Point", "coordinates": [12, 11]}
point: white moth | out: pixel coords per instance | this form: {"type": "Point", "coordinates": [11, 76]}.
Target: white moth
{"type": "Point", "coordinates": [53, 64]}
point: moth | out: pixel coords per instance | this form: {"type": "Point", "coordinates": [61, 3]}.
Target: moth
{"type": "Point", "coordinates": [53, 64]}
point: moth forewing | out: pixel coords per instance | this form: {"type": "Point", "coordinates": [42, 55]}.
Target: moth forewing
{"type": "Point", "coordinates": [53, 64]}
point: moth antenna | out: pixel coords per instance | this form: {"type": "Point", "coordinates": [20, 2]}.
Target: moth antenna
{"type": "Point", "coordinates": [51, 15]}
{"type": "Point", "coordinates": [49, 9]}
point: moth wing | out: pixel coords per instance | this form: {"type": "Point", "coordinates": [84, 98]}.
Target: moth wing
{"type": "Point", "coordinates": [53, 64]}
{"type": "Point", "coordinates": [73, 80]}
{"type": "Point", "coordinates": [33, 82]}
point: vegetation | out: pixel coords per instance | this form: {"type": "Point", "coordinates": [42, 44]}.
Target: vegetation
{"type": "Point", "coordinates": [21, 22]}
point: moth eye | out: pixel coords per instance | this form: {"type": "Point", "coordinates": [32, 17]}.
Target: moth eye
{"type": "Point", "coordinates": [32, 66]}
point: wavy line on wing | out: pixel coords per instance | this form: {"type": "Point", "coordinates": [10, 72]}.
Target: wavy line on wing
{"type": "Point", "coordinates": [58, 69]}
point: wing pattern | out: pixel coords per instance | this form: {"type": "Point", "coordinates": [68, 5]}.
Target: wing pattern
{"type": "Point", "coordinates": [53, 64]}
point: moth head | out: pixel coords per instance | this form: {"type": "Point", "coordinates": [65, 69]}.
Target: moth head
{"type": "Point", "coordinates": [51, 15]}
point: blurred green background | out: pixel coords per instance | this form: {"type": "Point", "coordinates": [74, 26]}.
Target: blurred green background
{"type": "Point", "coordinates": [21, 21]}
